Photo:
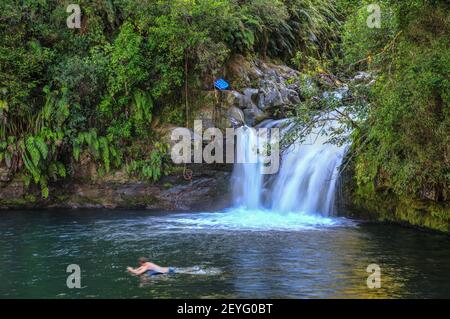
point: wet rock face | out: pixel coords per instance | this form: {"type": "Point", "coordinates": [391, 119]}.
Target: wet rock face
{"type": "Point", "coordinates": [233, 98]}
{"type": "Point", "coordinates": [267, 89]}
{"type": "Point", "coordinates": [260, 90]}
{"type": "Point", "coordinates": [250, 96]}
{"type": "Point", "coordinates": [206, 190]}
{"type": "Point", "coordinates": [236, 116]}
{"type": "Point", "coordinates": [4, 175]}
{"type": "Point", "coordinates": [254, 115]}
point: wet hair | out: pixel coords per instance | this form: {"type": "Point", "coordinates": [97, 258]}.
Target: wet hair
{"type": "Point", "coordinates": [142, 260]}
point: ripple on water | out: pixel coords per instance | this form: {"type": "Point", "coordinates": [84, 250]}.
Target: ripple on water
{"type": "Point", "coordinates": [239, 254]}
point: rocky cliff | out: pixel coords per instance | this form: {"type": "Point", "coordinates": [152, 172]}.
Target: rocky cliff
{"type": "Point", "coordinates": [200, 188]}
{"type": "Point", "coordinates": [260, 90]}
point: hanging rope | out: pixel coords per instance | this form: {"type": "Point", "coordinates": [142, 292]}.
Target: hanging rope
{"type": "Point", "coordinates": [187, 173]}
{"type": "Point", "coordinates": [186, 88]}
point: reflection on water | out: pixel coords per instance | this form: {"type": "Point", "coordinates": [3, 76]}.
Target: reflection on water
{"type": "Point", "coordinates": [233, 253]}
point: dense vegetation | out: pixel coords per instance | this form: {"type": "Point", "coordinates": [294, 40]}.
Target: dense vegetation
{"type": "Point", "coordinates": [404, 142]}
{"type": "Point", "coordinates": [400, 120]}
{"type": "Point", "coordinates": [71, 94]}
{"type": "Point", "coordinates": [95, 90]}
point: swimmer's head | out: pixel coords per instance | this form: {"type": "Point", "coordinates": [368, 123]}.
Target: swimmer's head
{"type": "Point", "coordinates": [142, 260]}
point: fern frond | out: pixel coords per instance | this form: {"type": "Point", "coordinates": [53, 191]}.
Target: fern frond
{"type": "Point", "coordinates": [41, 146]}
{"type": "Point", "coordinates": [33, 150]}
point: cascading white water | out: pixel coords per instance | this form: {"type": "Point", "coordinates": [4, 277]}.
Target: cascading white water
{"type": "Point", "coordinates": [247, 177]}
{"type": "Point", "coordinates": [307, 178]}
{"type": "Point", "coordinates": [306, 181]}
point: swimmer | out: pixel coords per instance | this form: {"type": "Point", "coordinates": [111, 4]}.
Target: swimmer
{"type": "Point", "coordinates": [149, 268]}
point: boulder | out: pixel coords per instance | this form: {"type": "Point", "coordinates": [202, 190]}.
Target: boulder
{"type": "Point", "coordinates": [4, 175]}
{"type": "Point", "coordinates": [232, 98]}
{"type": "Point", "coordinates": [293, 96]}
{"type": "Point", "coordinates": [250, 96]}
{"type": "Point", "coordinates": [270, 95]}
{"type": "Point", "coordinates": [236, 116]}
{"type": "Point", "coordinates": [254, 115]}
{"type": "Point", "coordinates": [267, 89]}
{"type": "Point", "coordinates": [242, 70]}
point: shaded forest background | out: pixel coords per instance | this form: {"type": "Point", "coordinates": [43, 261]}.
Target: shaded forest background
{"type": "Point", "coordinates": [98, 91]}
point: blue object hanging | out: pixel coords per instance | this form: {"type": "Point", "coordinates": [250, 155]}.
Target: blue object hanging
{"type": "Point", "coordinates": [221, 84]}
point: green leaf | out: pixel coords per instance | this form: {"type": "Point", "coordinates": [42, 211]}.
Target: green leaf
{"type": "Point", "coordinates": [42, 146]}
{"type": "Point", "coordinates": [33, 150]}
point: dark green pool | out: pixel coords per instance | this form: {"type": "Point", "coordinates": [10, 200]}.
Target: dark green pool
{"type": "Point", "coordinates": [229, 254]}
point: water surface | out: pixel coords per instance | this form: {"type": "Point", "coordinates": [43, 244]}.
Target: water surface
{"type": "Point", "coordinates": [234, 254]}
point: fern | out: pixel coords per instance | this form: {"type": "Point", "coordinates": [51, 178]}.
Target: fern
{"type": "Point", "coordinates": [44, 187]}
{"type": "Point", "coordinates": [153, 167]}
{"type": "Point", "coordinates": [32, 169]}
{"type": "Point", "coordinates": [52, 170]}
{"type": "Point", "coordinates": [61, 169]}
{"type": "Point", "coordinates": [41, 146]}
{"type": "Point", "coordinates": [141, 111]}
{"type": "Point", "coordinates": [99, 147]}
{"type": "Point", "coordinates": [76, 149]}
{"type": "Point", "coordinates": [33, 151]}
{"type": "Point", "coordinates": [105, 152]}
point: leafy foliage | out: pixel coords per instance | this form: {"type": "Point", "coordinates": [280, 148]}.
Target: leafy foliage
{"type": "Point", "coordinates": [399, 121]}
{"type": "Point", "coordinates": [410, 125]}
{"type": "Point", "coordinates": [153, 167]}
{"type": "Point", "coordinates": [97, 90]}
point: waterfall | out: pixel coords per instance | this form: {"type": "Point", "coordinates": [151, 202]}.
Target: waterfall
{"type": "Point", "coordinates": [247, 178]}
{"type": "Point", "coordinates": [307, 178]}
{"type": "Point", "coordinates": [306, 181]}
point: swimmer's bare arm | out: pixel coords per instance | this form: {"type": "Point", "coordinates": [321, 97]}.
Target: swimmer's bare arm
{"type": "Point", "coordinates": [137, 271]}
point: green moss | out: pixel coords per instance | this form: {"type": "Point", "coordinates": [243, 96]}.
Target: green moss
{"type": "Point", "coordinates": [20, 202]}
{"type": "Point", "coordinates": [61, 198]}
{"type": "Point", "coordinates": [424, 214]}
{"type": "Point", "coordinates": [369, 196]}
{"type": "Point", "coordinates": [30, 198]}
{"type": "Point", "coordinates": [168, 185]}
{"type": "Point", "coordinates": [137, 201]}
{"type": "Point", "coordinates": [386, 206]}
{"type": "Point", "coordinates": [83, 201]}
